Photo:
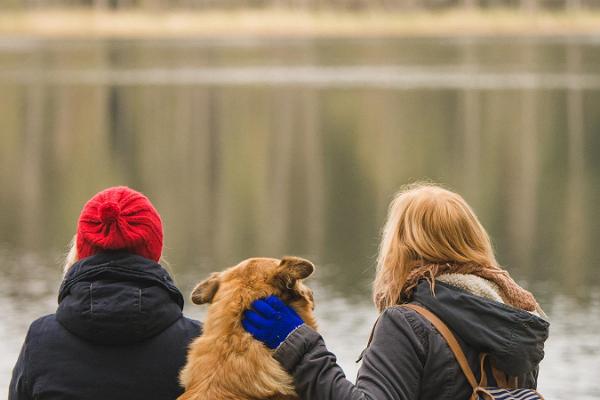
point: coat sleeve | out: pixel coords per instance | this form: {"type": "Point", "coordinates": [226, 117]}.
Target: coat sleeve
{"type": "Point", "coordinates": [20, 386]}
{"type": "Point", "coordinates": [391, 369]}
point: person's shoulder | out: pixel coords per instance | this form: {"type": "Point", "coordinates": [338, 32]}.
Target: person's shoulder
{"type": "Point", "coordinates": [42, 330]}
{"type": "Point", "coordinates": [407, 320]}
{"type": "Point", "coordinates": [191, 325]}
{"type": "Point", "coordinates": [399, 326]}
{"type": "Point", "coordinates": [42, 324]}
{"type": "Point", "coordinates": [404, 315]}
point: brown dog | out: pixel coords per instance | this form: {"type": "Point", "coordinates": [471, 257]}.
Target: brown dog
{"type": "Point", "coordinates": [226, 362]}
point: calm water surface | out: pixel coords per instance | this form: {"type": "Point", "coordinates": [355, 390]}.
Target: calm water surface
{"type": "Point", "coordinates": [273, 147]}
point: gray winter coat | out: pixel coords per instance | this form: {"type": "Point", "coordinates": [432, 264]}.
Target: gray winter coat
{"type": "Point", "coordinates": [409, 360]}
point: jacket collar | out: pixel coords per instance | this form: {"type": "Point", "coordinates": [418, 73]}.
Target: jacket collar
{"type": "Point", "coordinates": [120, 266]}
{"type": "Point", "coordinates": [117, 298]}
{"type": "Point", "coordinates": [514, 338]}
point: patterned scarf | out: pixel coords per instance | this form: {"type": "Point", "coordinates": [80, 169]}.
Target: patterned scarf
{"type": "Point", "coordinates": [511, 292]}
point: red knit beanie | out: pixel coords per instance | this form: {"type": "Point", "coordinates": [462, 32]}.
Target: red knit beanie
{"type": "Point", "coordinates": [119, 218]}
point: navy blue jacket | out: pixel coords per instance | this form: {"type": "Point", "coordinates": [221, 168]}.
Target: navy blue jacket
{"type": "Point", "coordinates": [118, 333]}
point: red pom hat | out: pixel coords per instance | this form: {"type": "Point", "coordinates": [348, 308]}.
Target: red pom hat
{"type": "Point", "coordinates": [119, 218]}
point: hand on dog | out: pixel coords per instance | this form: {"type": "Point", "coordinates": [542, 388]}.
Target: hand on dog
{"type": "Point", "coordinates": [271, 321]}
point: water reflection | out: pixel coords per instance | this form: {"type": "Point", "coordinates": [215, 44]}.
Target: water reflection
{"type": "Point", "coordinates": [296, 147]}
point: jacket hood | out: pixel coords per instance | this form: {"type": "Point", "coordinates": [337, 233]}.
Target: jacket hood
{"type": "Point", "coordinates": [513, 338]}
{"type": "Point", "coordinates": [117, 298]}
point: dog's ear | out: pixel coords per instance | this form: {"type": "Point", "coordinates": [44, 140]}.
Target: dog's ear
{"type": "Point", "coordinates": [205, 291]}
{"type": "Point", "coordinates": [294, 268]}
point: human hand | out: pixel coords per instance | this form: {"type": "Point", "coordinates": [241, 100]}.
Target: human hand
{"type": "Point", "coordinates": [271, 321]}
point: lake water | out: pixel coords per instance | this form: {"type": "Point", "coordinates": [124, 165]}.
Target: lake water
{"type": "Point", "coordinates": [296, 146]}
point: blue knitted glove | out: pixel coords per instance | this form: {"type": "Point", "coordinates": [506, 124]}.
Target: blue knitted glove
{"type": "Point", "coordinates": [271, 321]}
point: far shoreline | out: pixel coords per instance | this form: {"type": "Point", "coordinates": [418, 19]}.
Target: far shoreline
{"type": "Point", "coordinates": [275, 23]}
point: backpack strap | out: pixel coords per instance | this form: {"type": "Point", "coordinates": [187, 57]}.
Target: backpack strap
{"type": "Point", "coordinates": [447, 334]}
{"type": "Point", "coordinates": [479, 390]}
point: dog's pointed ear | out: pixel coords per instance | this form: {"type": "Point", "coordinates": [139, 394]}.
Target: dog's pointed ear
{"type": "Point", "coordinates": [294, 268]}
{"type": "Point", "coordinates": [205, 291]}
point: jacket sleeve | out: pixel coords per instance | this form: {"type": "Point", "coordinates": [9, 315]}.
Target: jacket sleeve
{"type": "Point", "coordinates": [391, 368]}
{"type": "Point", "coordinates": [20, 386]}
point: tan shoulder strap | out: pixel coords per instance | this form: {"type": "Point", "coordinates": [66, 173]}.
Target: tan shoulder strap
{"type": "Point", "coordinates": [450, 339]}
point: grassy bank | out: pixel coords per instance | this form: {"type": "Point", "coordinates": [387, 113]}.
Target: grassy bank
{"type": "Point", "coordinates": [131, 24]}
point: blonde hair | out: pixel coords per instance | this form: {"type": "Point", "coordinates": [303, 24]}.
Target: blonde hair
{"type": "Point", "coordinates": [426, 224]}
{"type": "Point", "coordinates": [71, 256]}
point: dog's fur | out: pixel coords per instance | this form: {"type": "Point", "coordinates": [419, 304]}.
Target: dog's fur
{"type": "Point", "coordinates": [226, 362]}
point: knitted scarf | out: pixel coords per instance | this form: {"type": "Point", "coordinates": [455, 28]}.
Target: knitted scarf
{"type": "Point", "coordinates": [511, 292]}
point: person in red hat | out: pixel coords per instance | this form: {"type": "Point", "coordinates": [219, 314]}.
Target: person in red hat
{"type": "Point", "coordinates": [119, 331]}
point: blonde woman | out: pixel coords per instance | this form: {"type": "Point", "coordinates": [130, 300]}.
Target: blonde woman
{"type": "Point", "coordinates": [436, 254]}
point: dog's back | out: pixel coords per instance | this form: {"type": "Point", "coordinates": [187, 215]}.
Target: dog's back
{"type": "Point", "coordinates": [226, 363]}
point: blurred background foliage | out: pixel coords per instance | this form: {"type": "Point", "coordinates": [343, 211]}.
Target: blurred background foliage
{"type": "Point", "coordinates": [353, 5]}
